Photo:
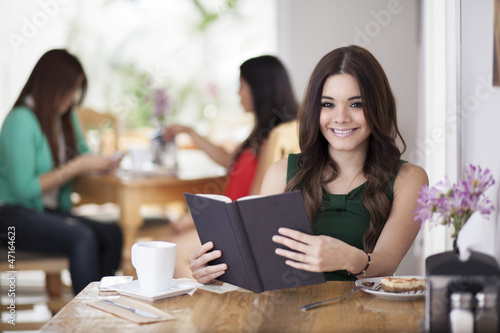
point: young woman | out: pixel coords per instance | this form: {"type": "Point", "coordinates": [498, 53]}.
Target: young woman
{"type": "Point", "coordinates": [42, 149]}
{"type": "Point", "coordinates": [359, 194]}
{"type": "Point", "coordinates": [265, 90]}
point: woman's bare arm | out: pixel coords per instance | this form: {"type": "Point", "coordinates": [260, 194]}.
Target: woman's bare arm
{"type": "Point", "coordinates": [216, 153]}
{"type": "Point", "coordinates": [75, 167]}
{"type": "Point", "coordinates": [400, 230]}
{"type": "Point", "coordinates": [275, 179]}
{"type": "Point", "coordinates": [324, 253]}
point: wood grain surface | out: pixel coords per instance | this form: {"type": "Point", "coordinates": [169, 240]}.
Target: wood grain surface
{"type": "Point", "coordinates": [245, 311]}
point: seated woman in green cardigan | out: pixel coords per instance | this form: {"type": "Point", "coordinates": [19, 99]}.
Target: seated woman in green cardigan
{"type": "Point", "coordinates": [359, 194]}
{"type": "Point", "coordinates": [41, 150]}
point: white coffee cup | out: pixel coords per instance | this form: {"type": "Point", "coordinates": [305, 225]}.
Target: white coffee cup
{"type": "Point", "coordinates": [154, 263]}
{"type": "Point", "coordinates": [139, 156]}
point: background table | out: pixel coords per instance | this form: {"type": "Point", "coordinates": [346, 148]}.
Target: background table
{"type": "Point", "coordinates": [244, 311]}
{"type": "Point", "coordinates": [132, 191]}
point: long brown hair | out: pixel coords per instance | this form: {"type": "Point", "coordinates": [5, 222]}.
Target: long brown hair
{"type": "Point", "coordinates": [273, 98]}
{"type": "Point", "coordinates": [383, 156]}
{"type": "Point", "coordinates": [54, 76]}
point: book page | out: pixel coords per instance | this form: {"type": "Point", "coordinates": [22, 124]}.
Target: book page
{"type": "Point", "coordinates": [219, 197]}
{"type": "Point", "coordinates": [249, 197]}
{"type": "Point", "coordinates": [223, 198]}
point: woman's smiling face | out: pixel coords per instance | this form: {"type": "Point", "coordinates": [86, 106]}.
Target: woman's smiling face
{"type": "Point", "coordinates": [342, 120]}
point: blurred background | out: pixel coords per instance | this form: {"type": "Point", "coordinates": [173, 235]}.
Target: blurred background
{"type": "Point", "coordinates": [188, 52]}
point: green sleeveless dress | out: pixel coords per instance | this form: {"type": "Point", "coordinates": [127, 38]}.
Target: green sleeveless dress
{"type": "Point", "coordinates": [343, 216]}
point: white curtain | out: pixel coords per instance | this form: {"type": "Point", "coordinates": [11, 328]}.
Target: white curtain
{"type": "Point", "coordinates": [438, 108]}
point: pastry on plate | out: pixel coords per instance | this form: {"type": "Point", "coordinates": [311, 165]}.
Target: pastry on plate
{"type": "Point", "coordinates": [401, 284]}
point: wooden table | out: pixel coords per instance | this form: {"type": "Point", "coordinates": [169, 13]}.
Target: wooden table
{"type": "Point", "coordinates": [132, 191]}
{"type": "Point", "coordinates": [244, 311]}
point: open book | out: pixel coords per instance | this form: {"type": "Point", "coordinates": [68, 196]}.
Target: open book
{"type": "Point", "coordinates": [243, 231]}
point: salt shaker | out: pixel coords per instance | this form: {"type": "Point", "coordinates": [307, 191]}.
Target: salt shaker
{"type": "Point", "coordinates": [486, 317]}
{"type": "Point", "coordinates": [461, 315]}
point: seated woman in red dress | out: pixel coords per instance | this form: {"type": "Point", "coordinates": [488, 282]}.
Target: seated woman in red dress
{"type": "Point", "coordinates": [266, 91]}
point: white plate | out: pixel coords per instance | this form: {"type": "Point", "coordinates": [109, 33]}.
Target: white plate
{"type": "Point", "coordinates": [179, 287]}
{"type": "Point", "coordinates": [377, 290]}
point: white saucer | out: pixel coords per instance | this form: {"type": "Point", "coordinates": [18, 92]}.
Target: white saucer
{"type": "Point", "coordinates": [178, 287]}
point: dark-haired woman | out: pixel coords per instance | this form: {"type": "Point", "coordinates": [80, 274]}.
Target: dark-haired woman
{"type": "Point", "coordinates": [265, 90]}
{"type": "Point", "coordinates": [41, 150]}
{"type": "Point", "coordinates": [359, 194]}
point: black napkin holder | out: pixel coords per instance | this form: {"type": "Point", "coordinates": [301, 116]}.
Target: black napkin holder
{"type": "Point", "coordinates": [446, 273]}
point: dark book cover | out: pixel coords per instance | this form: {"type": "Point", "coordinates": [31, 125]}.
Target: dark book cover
{"type": "Point", "coordinates": [243, 231]}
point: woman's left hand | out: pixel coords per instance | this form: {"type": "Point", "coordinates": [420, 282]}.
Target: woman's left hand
{"type": "Point", "coordinates": [314, 253]}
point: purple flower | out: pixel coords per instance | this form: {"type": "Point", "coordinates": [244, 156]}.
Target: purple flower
{"type": "Point", "coordinates": [484, 206]}
{"type": "Point", "coordinates": [160, 103]}
{"type": "Point", "coordinates": [424, 211]}
{"type": "Point", "coordinates": [477, 180]}
{"type": "Point", "coordinates": [453, 204]}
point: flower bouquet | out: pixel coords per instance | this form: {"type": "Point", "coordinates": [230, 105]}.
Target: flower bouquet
{"type": "Point", "coordinates": [453, 204]}
{"type": "Point", "coordinates": [450, 271]}
{"type": "Point", "coordinates": [161, 105]}
{"type": "Point", "coordinates": [164, 152]}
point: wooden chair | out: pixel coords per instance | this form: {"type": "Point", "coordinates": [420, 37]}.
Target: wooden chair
{"type": "Point", "coordinates": [282, 140]}
{"type": "Point", "coordinates": [52, 266]}
{"type": "Point", "coordinates": [106, 127]}
{"type": "Point", "coordinates": [101, 130]}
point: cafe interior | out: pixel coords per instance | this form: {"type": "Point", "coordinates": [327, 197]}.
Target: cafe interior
{"type": "Point", "coordinates": [152, 63]}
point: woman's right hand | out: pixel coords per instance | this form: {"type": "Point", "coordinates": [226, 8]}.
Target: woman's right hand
{"type": "Point", "coordinates": [75, 167]}
{"type": "Point", "coordinates": [202, 272]}
{"type": "Point", "coordinates": [170, 132]}
{"type": "Point", "coordinates": [90, 162]}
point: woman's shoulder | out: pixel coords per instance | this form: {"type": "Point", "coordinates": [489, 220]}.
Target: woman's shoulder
{"type": "Point", "coordinates": [411, 169]}
{"type": "Point", "coordinates": [411, 174]}
{"type": "Point", "coordinates": [249, 153]}
{"type": "Point", "coordinates": [21, 114]}
{"type": "Point", "coordinates": [279, 166]}
{"type": "Point", "coordinates": [20, 117]}
{"type": "Point", "coordinates": [275, 178]}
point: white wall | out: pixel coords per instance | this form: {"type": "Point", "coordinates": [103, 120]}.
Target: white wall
{"type": "Point", "coordinates": [480, 112]}
{"type": "Point", "coordinates": [25, 28]}
{"type": "Point", "coordinates": [388, 28]}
